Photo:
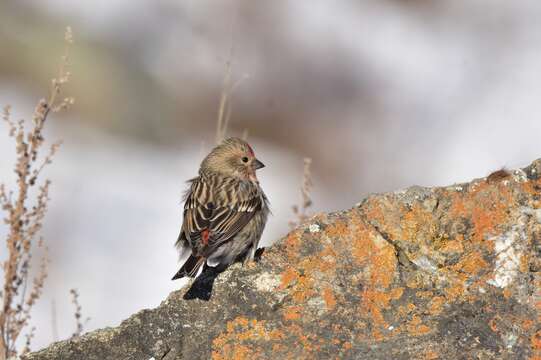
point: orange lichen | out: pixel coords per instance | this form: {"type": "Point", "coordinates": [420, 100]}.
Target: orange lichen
{"type": "Point", "coordinates": [536, 340]}
{"type": "Point", "coordinates": [436, 305]}
{"type": "Point", "coordinates": [471, 264]}
{"type": "Point", "coordinates": [239, 321]}
{"type": "Point", "coordinates": [233, 352]}
{"type": "Point", "coordinates": [418, 224]}
{"type": "Point", "coordinates": [415, 326]}
{"type": "Point", "coordinates": [458, 204]}
{"type": "Point", "coordinates": [288, 277]}
{"type": "Point", "coordinates": [292, 313]}
{"type": "Point", "coordinates": [302, 280]}
{"type": "Point", "coordinates": [424, 294]}
{"type": "Point", "coordinates": [430, 355]}
{"type": "Point", "coordinates": [362, 245]}
{"type": "Point", "coordinates": [383, 267]}
{"type": "Point", "coordinates": [377, 257]}
{"type": "Point", "coordinates": [374, 211]}
{"type": "Point", "coordinates": [292, 244]}
{"type": "Point", "coordinates": [486, 205]}
{"type": "Point", "coordinates": [536, 345]}
{"type": "Point", "coordinates": [414, 282]}
{"type": "Point", "coordinates": [330, 299]}
{"type": "Point", "coordinates": [396, 293]}
{"type": "Point", "coordinates": [306, 340]}
{"type": "Point", "coordinates": [304, 289]}
{"type": "Point", "coordinates": [527, 324]}
{"type": "Point", "coordinates": [339, 229]}
{"type": "Point", "coordinates": [453, 246]}
{"type": "Point", "coordinates": [327, 259]}
{"type": "Point", "coordinates": [377, 335]}
{"type": "Point", "coordinates": [374, 302]}
{"type": "Point", "coordinates": [237, 342]}
{"type": "Point", "coordinates": [483, 222]}
{"type": "Point", "coordinates": [454, 291]}
{"type": "Point", "coordinates": [401, 311]}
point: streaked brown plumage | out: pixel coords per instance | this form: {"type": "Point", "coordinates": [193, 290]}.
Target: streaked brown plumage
{"type": "Point", "coordinates": [225, 209]}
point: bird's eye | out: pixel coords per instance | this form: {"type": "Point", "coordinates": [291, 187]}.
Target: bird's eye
{"type": "Point", "coordinates": [245, 159]}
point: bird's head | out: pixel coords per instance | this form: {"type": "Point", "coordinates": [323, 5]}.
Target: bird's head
{"type": "Point", "coordinates": [233, 157]}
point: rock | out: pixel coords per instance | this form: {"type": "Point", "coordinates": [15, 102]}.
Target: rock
{"type": "Point", "coordinates": [424, 273]}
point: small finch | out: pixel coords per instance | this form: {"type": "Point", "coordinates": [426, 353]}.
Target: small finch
{"type": "Point", "coordinates": [225, 210]}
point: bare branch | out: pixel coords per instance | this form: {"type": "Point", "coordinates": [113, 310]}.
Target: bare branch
{"type": "Point", "coordinates": [78, 314]}
{"type": "Point", "coordinates": [301, 211]}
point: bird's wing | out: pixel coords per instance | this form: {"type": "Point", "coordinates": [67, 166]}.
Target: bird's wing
{"type": "Point", "coordinates": [211, 218]}
{"type": "Point", "coordinates": [196, 212]}
{"type": "Point", "coordinates": [227, 221]}
{"type": "Point", "coordinates": [183, 241]}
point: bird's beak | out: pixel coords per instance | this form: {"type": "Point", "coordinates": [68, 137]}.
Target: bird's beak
{"type": "Point", "coordinates": [258, 164]}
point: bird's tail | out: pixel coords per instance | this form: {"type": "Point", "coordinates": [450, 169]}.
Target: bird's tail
{"type": "Point", "coordinates": [190, 267]}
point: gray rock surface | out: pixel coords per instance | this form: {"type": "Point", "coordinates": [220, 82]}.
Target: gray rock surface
{"type": "Point", "coordinates": [424, 273]}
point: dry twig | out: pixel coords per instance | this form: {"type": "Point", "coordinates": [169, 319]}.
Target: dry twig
{"type": "Point", "coordinates": [24, 214]}
{"type": "Point", "coordinates": [301, 211]}
{"type": "Point", "coordinates": [228, 88]}
{"type": "Point", "coordinates": [79, 325]}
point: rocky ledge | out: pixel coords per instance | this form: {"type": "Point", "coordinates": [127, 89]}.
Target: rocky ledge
{"type": "Point", "coordinates": [424, 273]}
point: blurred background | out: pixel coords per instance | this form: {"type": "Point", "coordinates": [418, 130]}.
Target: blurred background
{"type": "Point", "coordinates": [381, 94]}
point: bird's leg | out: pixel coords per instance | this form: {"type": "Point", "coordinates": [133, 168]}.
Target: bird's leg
{"type": "Point", "coordinates": [202, 286]}
{"type": "Point", "coordinates": [258, 254]}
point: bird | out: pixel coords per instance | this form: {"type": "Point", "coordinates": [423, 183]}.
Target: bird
{"type": "Point", "coordinates": [225, 210]}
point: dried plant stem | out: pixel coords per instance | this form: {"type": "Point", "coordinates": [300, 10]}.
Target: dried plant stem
{"type": "Point", "coordinates": [228, 88]}
{"type": "Point", "coordinates": [301, 211]}
{"type": "Point", "coordinates": [24, 215]}
{"type": "Point", "coordinates": [79, 326]}
{"type": "Point", "coordinates": [224, 109]}
{"type": "Point", "coordinates": [226, 106]}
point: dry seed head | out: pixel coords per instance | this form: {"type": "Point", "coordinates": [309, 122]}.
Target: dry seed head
{"type": "Point", "coordinates": [24, 223]}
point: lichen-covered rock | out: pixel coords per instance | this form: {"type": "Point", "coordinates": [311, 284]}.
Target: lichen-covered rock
{"type": "Point", "coordinates": [442, 273]}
